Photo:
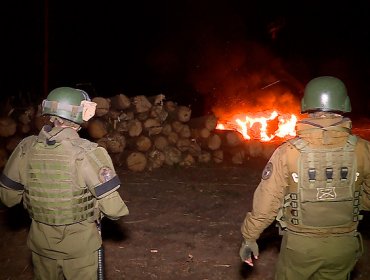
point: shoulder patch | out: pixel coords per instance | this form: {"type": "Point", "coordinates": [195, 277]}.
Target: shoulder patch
{"type": "Point", "coordinates": [267, 171]}
{"type": "Point", "coordinates": [105, 174]}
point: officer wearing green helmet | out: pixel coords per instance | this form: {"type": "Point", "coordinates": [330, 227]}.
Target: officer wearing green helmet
{"type": "Point", "coordinates": [67, 184]}
{"type": "Point", "coordinates": [314, 186]}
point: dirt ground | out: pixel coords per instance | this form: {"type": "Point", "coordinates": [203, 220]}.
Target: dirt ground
{"type": "Point", "coordinates": [184, 223]}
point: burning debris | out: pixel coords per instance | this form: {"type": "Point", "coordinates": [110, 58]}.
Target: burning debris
{"type": "Point", "coordinates": [256, 126]}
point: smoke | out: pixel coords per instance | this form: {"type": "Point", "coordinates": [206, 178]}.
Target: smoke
{"type": "Point", "coordinates": [223, 64]}
{"type": "Point", "coordinates": [244, 77]}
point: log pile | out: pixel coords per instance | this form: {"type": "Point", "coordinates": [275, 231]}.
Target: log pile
{"type": "Point", "coordinates": [144, 133]}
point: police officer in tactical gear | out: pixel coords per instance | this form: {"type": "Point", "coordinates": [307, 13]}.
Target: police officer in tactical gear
{"type": "Point", "coordinates": [66, 183]}
{"type": "Point", "coordinates": [315, 186]}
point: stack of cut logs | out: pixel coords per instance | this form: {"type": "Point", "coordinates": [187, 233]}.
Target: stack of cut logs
{"type": "Point", "coordinates": [144, 133]}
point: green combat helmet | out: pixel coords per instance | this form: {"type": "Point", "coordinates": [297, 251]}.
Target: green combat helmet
{"type": "Point", "coordinates": [70, 104]}
{"type": "Point", "coordinates": [325, 93]}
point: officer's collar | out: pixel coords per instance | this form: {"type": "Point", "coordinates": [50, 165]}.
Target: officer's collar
{"type": "Point", "coordinates": [51, 135]}
{"type": "Point", "coordinates": [323, 122]}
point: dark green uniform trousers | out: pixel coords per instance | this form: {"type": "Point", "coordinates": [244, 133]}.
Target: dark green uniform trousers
{"type": "Point", "coordinates": [317, 258]}
{"type": "Point", "coordinates": [84, 268]}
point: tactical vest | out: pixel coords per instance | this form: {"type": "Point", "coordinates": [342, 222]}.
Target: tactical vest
{"type": "Point", "coordinates": [323, 194]}
{"type": "Point", "coordinates": [54, 192]}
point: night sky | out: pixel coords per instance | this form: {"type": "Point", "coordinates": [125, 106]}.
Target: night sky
{"type": "Point", "coordinates": [192, 51]}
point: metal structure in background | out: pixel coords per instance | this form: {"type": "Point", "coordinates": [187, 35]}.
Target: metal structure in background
{"type": "Point", "coordinates": [100, 255]}
{"type": "Point", "coordinates": [46, 49]}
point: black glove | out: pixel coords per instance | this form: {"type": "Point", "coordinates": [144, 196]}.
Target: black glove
{"type": "Point", "coordinates": [248, 247]}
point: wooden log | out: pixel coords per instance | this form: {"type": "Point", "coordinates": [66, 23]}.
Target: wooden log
{"type": "Point", "coordinates": [188, 160]}
{"type": "Point", "coordinates": [178, 113]}
{"type": "Point", "coordinates": [183, 114]}
{"type": "Point", "coordinates": [200, 133]}
{"type": "Point", "coordinates": [213, 142]}
{"type": "Point", "coordinates": [170, 106]}
{"type": "Point", "coordinates": [172, 155]}
{"type": "Point", "coordinates": [97, 128]}
{"type": "Point", "coordinates": [126, 116]}
{"type": "Point", "coordinates": [120, 102]}
{"type": "Point", "coordinates": [103, 142]}
{"type": "Point", "coordinates": [8, 126]}
{"type": "Point", "coordinates": [157, 100]}
{"type": "Point", "coordinates": [121, 126]}
{"type": "Point", "coordinates": [151, 123]}
{"type": "Point", "coordinates": [142, 116]}
{"type": "Point", "coordinates": [167, 129]}
{"type": "Point", "coordinates": [102, 106]}
{"type": "Point", "coordinates": [218, 156]}
{"type": "Point", "coordinates": [194, 148]}
{"type": "Point", "coordinates": [238, 155]}
{"type": "Point", "coordinates": [156, 159]}
{"type": "Point", "coordinates": [136, 161]}
{"type": "Point", "coordinates": [183, 144]}
{"type": "Point", "coordinates": [159, 113]}
{"type": "Point", "coordinates": [254, 148]}
{"type": "Point", "coordinates": [185, 131]}
{"type": "Point", "coordinates": [204, 157]}
{"type": "Point", "coordinates": [135, 128]}
{"type": "Point", "coordinates": [141, 104]}
{"type": "Point", "coordinates": [116, 143]}
{"type": "Point", "coordinates": [160, 142]}
{"type": "Point", "coordinates": [113, 114]}
{"type": "Point", "coordinates": [233, 138]}
{"type": "Point", "coordinates": [27, 116]}
{"type": "Point", "coordinates": [177, 126]}
{"type": "Point", "coordinates": [143, 143]}
{"type": "Point", "coordinates": [209, 122]}
{"type": "Point", "coordinates": [154, 130]}
{"type": "Point", "coordinates": [173, 137]}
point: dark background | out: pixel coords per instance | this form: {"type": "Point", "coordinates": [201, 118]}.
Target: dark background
{"type": "Point", "coordinates": [184, 49]}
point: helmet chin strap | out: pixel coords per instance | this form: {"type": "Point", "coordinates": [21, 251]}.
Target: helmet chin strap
{"type": "Point", "coordinates": [59, 122]}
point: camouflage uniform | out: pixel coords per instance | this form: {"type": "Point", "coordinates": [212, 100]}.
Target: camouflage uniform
{"type": "Point", "coordinates": [320, 238]}
{"type": "Point", "coordinates": [66, 184]}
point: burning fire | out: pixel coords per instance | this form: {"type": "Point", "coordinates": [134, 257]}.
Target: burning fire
{"type": "Point", "coordinates": [264, 126]}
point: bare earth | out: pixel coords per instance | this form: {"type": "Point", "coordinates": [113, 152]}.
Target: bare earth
{"type": "Point", "coordinates": [184, 223]}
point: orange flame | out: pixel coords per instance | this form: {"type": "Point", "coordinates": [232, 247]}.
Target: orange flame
{"type": "Point", "coordinates": [258, 125]}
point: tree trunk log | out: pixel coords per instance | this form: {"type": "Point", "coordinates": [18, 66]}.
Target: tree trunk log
{"type": "Point", "coordinates": [97, 128]}
{"type": "Point", "coordinates": [102, 106]}
{"type": "Point", "coordinates": [141, 104]}
{"type": "Point", "coordinates": [156, 159]}
{"type": "Point", "coordinates": [209, 122]}
{"type": "Point", "coordinates": [120, 102]}
{"type": "Point", "coordinates": [136, 161]}
{"type": "Point", "coordinates": [135, 128]}
{"type": "Point", "coordinates": [143, 143]}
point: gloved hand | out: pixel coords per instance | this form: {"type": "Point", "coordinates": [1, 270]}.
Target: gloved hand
{"type": "Point", "coordinates": [248, 247]}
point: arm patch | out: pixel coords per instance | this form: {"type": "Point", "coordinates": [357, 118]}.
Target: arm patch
{"type": "Point", "coordinates": [267, 171]}
{"type": "Point", "coordinates": [106, 174]}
